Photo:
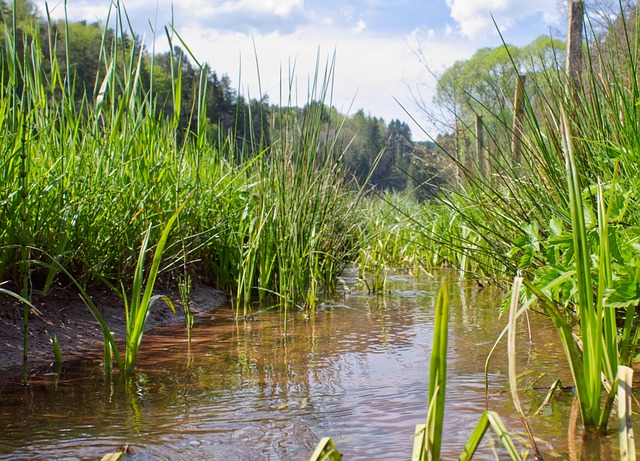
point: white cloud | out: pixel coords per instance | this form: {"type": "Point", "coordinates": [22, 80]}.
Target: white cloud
{"type": "Point", "coordinates": [282, 8]}
{"type": "Point", "coordinates": [81, 10]}
{"type": "Point", "coordinates": [448, 30]}
{"type": "Point", "coordinates": [360, 26]}
{"type": "Point", "coordinates": [362, 78]}
{"type": "Point", "coordinates": [474, 16]}
{"type": "Point", "coordinates": [231, 15]}
{"type": "Point", "coordinates": [347, 12]}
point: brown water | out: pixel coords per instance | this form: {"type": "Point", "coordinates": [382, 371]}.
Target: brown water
{"type": "Point", "coordinates": [262, 390]}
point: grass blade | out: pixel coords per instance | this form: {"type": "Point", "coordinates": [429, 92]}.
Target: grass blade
{"type": "Point", "coordinates": [57, 353]}
{"type": "Point", "coordinates": [326, 451]}
{"type": "Point", "coordinates": [625, 429]}
{"type": "Point", "coordinates": [438, 376]}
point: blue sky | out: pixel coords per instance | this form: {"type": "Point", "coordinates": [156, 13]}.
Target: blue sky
{"type": "Point", "coordinates": [375, 41]}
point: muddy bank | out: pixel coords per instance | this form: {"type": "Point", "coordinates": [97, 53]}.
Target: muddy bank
{"type": "Point", "coordinates": [67, 317]}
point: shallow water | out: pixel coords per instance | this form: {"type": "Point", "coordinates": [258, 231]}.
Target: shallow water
{"type": "Point", "coordinates": [265, 390]}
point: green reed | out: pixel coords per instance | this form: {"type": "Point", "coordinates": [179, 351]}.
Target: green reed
{"type": "Point", "coordinates": [184, 286]}
{"type": "Point", "coordinates": [138, 307]}
{"type": "Point", "coordinates": [566, 215]}
{"type": "Point", "coordinates": [107, 170]}
{"type": "Point", "coordinates": [301, 230]}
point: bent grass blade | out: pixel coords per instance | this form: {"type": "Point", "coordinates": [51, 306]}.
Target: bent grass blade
{"type": "Point", "coordinates": [513, 374]}
{"type": "Point", "coordinates": [493, 420]}
{"type": "Point", "coordinates": [18, 297]}
{"type": "Point", "coordinates": [326, 451]}
{"type": "Point", "coordinates": [93, 309]}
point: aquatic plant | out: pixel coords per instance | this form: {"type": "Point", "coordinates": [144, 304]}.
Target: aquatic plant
{"type": "Point", "coordinates": [267, 217]}
{"type": "Point", "coordinates": [563, 212]}
{"type": "Point", "coordinates": [184, 286]}
{"type": "Point", "coordinates": [138, 307]}
{"type": "Point", "coordinates": [57, 353]}
{"type": "Point", "coordinates": [429, 437]}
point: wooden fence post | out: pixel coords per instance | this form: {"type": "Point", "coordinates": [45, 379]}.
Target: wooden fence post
{"type": "Point", "coordinates": [574, 43]}
{"type": "Point", "coordinates": [459, 157]}
{"type": "Point", "coordinates": [480, 152]}
{"type": "Point", "coordinates": [518, 115]}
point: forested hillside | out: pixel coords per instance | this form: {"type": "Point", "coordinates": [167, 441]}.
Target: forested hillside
{"type": "Point", "coordinates": [207, 98]}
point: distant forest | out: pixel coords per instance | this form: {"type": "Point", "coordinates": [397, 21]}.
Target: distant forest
{"type": "Point", "coordinates": [366, 141]}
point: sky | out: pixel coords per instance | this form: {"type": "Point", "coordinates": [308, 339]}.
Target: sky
{"type": "Point", "coordinates": [262, 45]}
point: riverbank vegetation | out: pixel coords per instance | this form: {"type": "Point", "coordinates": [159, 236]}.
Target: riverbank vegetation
{"type": "Point", "coordinates": [104, 139]}
{"type": "Point", "coordinates": [558, 203]}
{"type": "Point", "coordinates": [103, 142]}
{"type": "Point", "coordinates": [554, 197]}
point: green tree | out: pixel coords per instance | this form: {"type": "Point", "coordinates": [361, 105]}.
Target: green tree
{"type": "Point", "coordinates": [484, 85]}
{"type": "Point", "coordinates": [401, 150]}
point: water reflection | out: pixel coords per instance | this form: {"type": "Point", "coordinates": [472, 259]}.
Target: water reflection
{"type": "Point", "coordinates": [268, 390]}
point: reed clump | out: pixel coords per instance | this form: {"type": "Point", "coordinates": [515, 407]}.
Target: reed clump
{"type": "Point", "coordinates": [88, 176]}
{"type": "Point", "coordinates": [563, 212]}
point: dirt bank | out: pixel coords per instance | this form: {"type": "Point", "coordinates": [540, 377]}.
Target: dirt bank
{"type": "Point", "coordinates": [68, 318]}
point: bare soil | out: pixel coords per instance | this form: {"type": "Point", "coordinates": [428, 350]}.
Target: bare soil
{"type": "Point", "coordinates": [67, 317]}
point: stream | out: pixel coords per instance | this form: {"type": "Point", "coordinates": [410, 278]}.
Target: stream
{"type": "Point", "coordinates": [270, 389]}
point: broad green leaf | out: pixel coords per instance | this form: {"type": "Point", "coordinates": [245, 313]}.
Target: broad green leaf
{"type": "Point", "coordinates": [622, 294]}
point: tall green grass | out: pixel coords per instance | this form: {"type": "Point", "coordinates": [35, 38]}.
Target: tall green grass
{"type": "Point", "coordinates": [303, 228]}
{"type": "Point", "coordinates": [86, 178]}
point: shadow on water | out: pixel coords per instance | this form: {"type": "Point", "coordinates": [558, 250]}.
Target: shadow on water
{"type": "Point", "coordinates": [357, 371]}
